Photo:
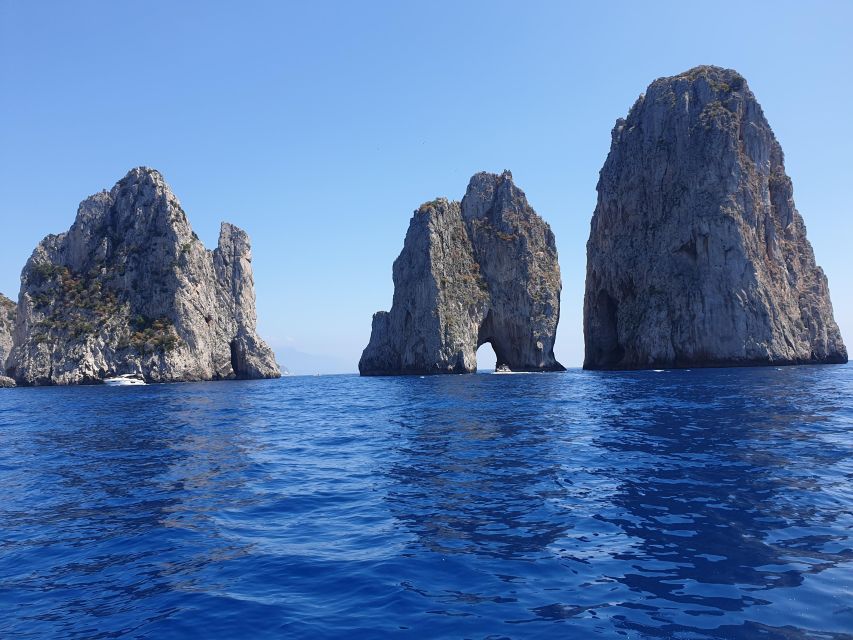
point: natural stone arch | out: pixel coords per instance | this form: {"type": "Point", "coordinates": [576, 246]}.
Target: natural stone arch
{"type": "Point", "coordinates": [483, 270]}
{"type": "Point", "coordinates": [486, 357]}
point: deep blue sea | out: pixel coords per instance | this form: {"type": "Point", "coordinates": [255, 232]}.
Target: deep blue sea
{"type": "Point", "coordinates": [682, 504]}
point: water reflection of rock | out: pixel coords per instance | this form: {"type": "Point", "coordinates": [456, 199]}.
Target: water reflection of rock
{"type": "Point", "coordinates": [476, 474]}
{"type": "Point", "coordinates": [718, 484]}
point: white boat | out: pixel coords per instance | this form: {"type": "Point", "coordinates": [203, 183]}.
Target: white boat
{"type": "Point", "coordinates": [124, 380]}
{"type": "Point", "coordinates": [503, 369]}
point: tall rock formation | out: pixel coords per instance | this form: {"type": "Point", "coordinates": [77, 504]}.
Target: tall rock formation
{"type": "Point", "coordinates": [697, 255]}
{"type": "Point", "coordinates": [483, 270]}
{"type": "Point", "coordinates": [131, 289]}
{"type": "Point", "coordinates": [7, 323]}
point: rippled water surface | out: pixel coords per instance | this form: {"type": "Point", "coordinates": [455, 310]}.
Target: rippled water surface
{"type": "Point", "coordinates": [685, 504]}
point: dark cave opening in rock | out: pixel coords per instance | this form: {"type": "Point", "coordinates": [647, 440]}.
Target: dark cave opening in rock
{"type": "Point", "coordinates": [235, 358]}
{"type": "Point", "coordinates": [608, 351]}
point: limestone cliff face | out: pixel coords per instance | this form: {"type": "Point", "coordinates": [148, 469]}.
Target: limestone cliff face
{"type": "Point", "coordinates": [131, 289]}
{"type": "Point", "coordinates": [483, 270]}
{"type": "Point", "coordinates": [697, 255]}
{"type": "Point", "coordinates": [7, 323]}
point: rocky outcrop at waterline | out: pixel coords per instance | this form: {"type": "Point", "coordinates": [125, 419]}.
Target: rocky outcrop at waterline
{"type": "Point", "coordinates": [697, 255]}
{"type": "Point", "coordinates": [131, 289]}
{"type": "Point", "coordinates": [481, 271]}
{"type": "Point", "coordinates": [7, 323]}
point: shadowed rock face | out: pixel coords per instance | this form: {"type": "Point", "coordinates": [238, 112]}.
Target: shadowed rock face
{"type": "Point", "coordinates": [697, 255]}
{"type": "Point", "coordinates": [483, 270]}
{"type": "Point", "coordinates": [131, 289]}
{"type": "Point", "coordinates": [7, 323]}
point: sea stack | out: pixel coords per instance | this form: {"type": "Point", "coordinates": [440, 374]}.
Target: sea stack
{"type": "Point", "coordinates": [697, 256]}
{"type": "Point", "coordinates": [483, 270]}
{"type": "Point", "coordinates": [7, 323]}
{"type": "Point", "coordinates": [131, 289]}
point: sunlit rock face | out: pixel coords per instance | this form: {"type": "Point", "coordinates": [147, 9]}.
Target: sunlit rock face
{"type": "Point", "coordinates": [131, 289]}
{"type": "Point", "coordinates": [697, 255]}
{"type": "Point", "coordinates": [481, 271]}
{"type": "Point", "coordinates": [7, 323]}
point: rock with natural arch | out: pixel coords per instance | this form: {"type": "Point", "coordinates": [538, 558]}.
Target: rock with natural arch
{"type": "Point", "coordinates": [481, 271]}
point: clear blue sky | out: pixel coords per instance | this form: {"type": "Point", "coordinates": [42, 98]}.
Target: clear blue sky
{"type": "Point", "coordinates": [319, 126]}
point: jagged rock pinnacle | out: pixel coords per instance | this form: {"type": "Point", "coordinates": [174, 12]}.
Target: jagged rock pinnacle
{"type": "Point", "coordinates": [7, 324]}
{"type": "Point", "coordinates": [131, 289]}
{"type": "Point", "coordinates": [697, 255]}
